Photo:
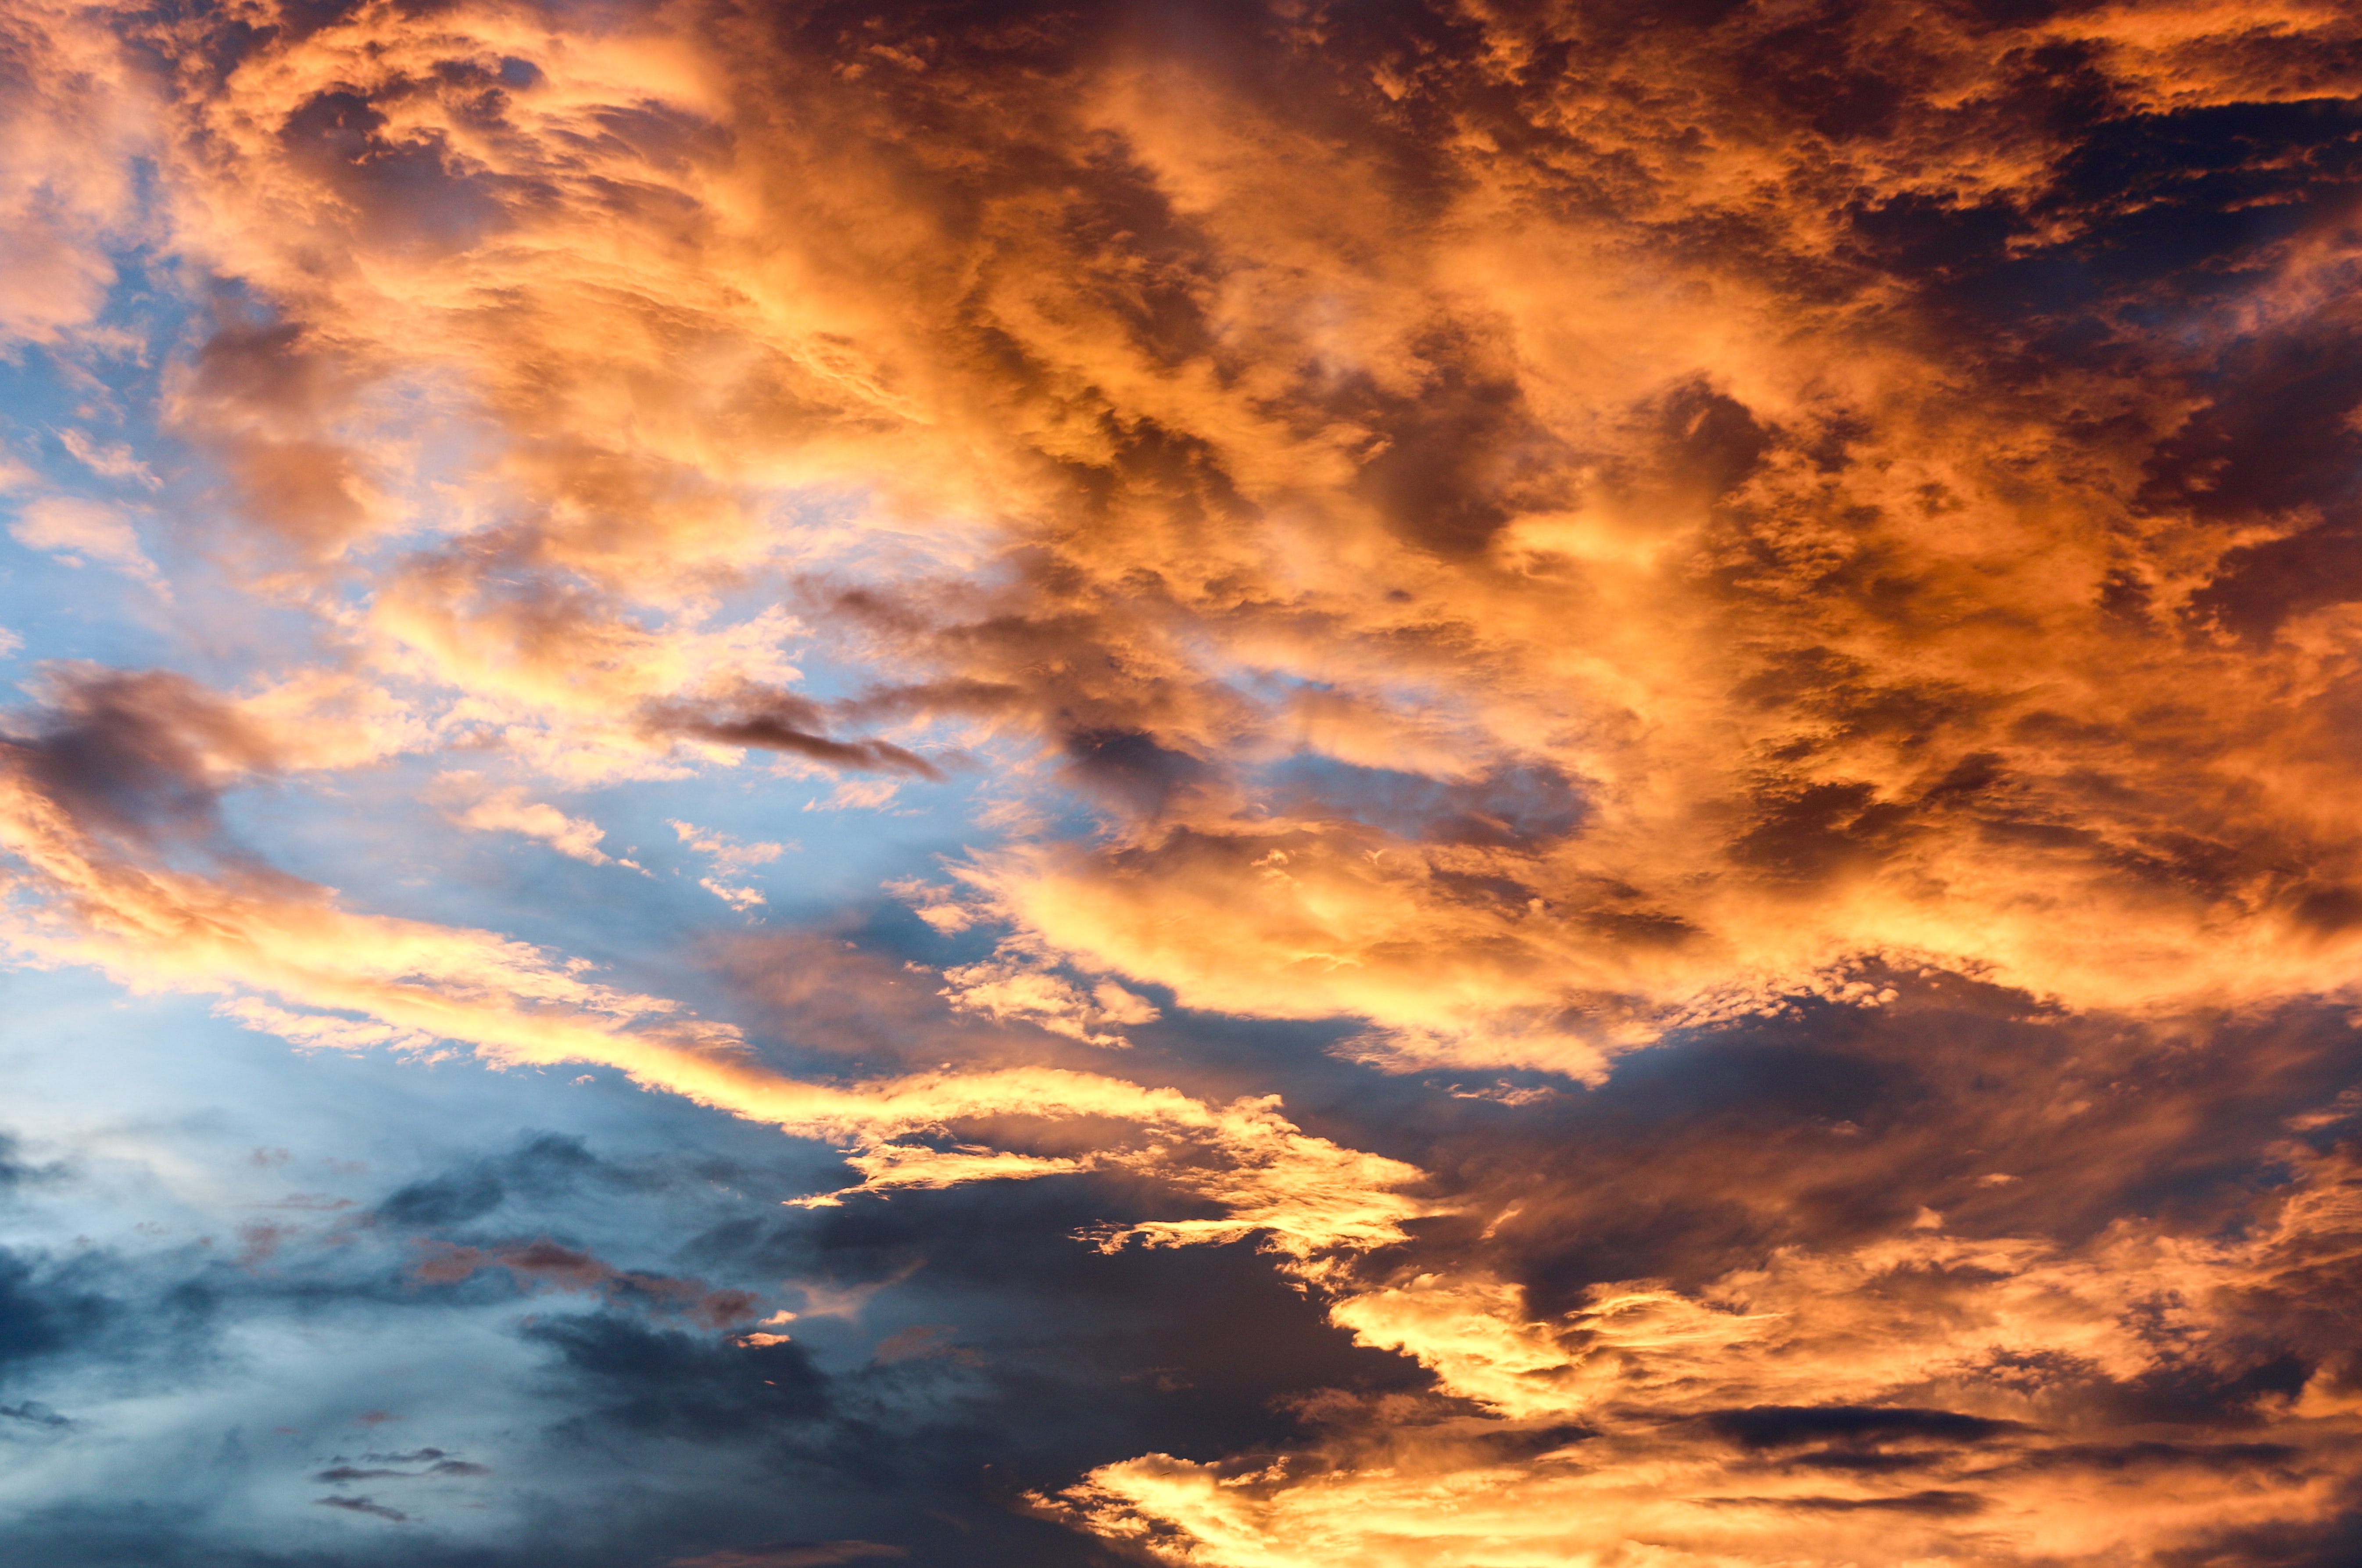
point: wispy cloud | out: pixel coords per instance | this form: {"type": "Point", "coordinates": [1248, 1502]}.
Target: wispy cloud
{"type": "Point", "coordinates": [76, 530]}
{"type": "Point", "coordinates": [730, 859]}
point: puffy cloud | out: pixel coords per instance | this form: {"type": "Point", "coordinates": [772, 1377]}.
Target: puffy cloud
{"type": "Point", "coordinates": [1636, 618]}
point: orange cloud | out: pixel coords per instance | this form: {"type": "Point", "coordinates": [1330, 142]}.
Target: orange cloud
{"type": "Point", "coordinates": [1920, 1396]}
{"type": "Point", "coordinates": [1517, 528]}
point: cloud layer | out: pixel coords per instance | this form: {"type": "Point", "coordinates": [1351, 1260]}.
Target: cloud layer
{"type": "Point", "coordinates": [1652, 703]}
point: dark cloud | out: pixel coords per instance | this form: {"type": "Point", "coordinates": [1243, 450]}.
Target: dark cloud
{"type": "Point", "coordinates": [47, 1309]}
{"type": "Point", "coordinates": [544, 1165]}
{"type": "Point", "coordinates": [16, 1174]}
{"type": "Point", "coordinates": [782, 721]}
{"type": "Point", "coordinates": [1129, 767]}
{"type": "Point", "coordinates": [1837, 1121]}
{"type": "Point", "coordinates": [365, 1505]}
{"type": "Point", "coordinates": [141, 755]}
{"type": "Point", "coordinates": [1939, 1503]}
{"type": "Point", "coordinates": [2138, 1457]}
{"type": "Point", "coordinates": [2328, 1543]}
{"type": "Point", "coordinates": [1782, 1426]}
{"type": "Point", "coordinates": [638, 1377]}
{"type": "Point", "coordinates": [667, 1381]}
{"type": "Point", "coordinates": [791, 1554]}
{"type": "Point", "coordinates": [34, 1413]}
{"type": "Point", "coordinates": [344, 1475]}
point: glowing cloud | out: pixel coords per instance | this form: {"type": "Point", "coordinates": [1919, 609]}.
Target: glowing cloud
{"type": "Point", "coordinates": [1772, 587]}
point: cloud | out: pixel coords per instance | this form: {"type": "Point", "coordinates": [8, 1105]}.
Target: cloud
{"type": "Point", "coordinates": [344, 1475]}
{"type": "Point", "coordinates": [1018, 985]}
{"type": "Point", "coordinates": [34, 1413]}
{"type": "Point", "coordinates": [365, 1505]}
{"type": "Point", "coordinates": [923, 1341]}
{"type": "Point", "coordinates": [665, 1381]}
{"type": "Point", "coordinates": [1775, 1426]}
{"type": "Point", "coordinates": [857, 794]}
{"type": "Point", "coordinates": [545, 1262]}
{"type": "Point", "coordinates": [730, 859]}
{"type": "Point", "coordinates": [1783, 579]}
{"type": "Point", "coordinates": [116, 461]}
{"type": "Point", "coordinates": [727, 854]}
{"type": "Point", "coordinates": [73, 529]}
{"type": "Point", "coordinates": [514, 1003]}
{"type": "Point", "coordinates": [507, 810]}
{"type": "Point", "coordinates": [1947, 1377]}
{"type": "Point", "coordinates": [812, 1554]}
{"type": "Point", "coordinates": [76, 114]}
{"type": "Point", "coordinates": [311, 1032]}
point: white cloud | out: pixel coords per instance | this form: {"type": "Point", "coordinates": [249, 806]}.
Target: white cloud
{"type": "Point", "coordinates": [731, 857]}
{"type": "Point", "coordinates": [859, 794]}
{"type": "Point", "coordinates": [739, 898]}
{"type": "Point", "coordinates": [115, 462]}
{"type": "Point", "coordinates": [314, 1032]}
{"type": "Point", "coordinates": [934, 903]}
{"type": "Point", "coordinates": [507, 810]}
{"type": "Point", "coordinates": [75, 529]}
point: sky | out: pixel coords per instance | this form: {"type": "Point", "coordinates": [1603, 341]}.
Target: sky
{"type": "Point", "coordinates": [1489, 784]}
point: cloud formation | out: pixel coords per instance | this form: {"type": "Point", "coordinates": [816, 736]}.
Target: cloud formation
{"type": "Point", "coordinates": [1664, 694]}
{"type": "Point", "coordinates": [1563, 546]}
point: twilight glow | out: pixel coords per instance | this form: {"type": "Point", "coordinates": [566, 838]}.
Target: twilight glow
{"type": "Point", "coordinates": [1288, 785]}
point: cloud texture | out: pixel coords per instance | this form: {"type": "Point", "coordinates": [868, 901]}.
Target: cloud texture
{"type": "Point", "coordinates": [1653, 704]}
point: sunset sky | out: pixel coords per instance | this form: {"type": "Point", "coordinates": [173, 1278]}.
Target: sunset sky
{"type": "Point", "coordinates": [1331, 783]}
